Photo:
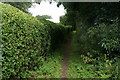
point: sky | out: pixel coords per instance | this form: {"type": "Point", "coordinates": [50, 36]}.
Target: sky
{"type": "Point", "coordinates": [45, 8]}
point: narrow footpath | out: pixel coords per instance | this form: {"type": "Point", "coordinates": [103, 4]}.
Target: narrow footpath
{"type": "Point", "coordinates": [65, 60]}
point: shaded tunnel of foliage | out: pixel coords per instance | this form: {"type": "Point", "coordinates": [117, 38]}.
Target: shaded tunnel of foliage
{"type": "Point", "coordinates": [60, 32]}
{"type": "Point", "coordinates": [25, 41]}
{"type": "Point", "coordinates": [97, 26]}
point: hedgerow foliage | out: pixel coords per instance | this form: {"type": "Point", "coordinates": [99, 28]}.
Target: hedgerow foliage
{"type": "Point", "coordinates": [24, 39]}
{"type": "Point", "coordinates": [57, 32]}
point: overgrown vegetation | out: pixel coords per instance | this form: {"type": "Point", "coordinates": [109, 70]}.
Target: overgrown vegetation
{"type": "Point", "coordinates": [99, 40]}
{"type": "Point", "coordinates": [88, 66]}
{"type": "Point", "coordinates": [52, 67]}
{"type": "Point", "coordinates": [97, 37]}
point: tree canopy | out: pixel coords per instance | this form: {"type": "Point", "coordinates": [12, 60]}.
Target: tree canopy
{"type": "Point", "coordinates": [23, 6]}
{"type": "Point", "coordinates": [91, 13]}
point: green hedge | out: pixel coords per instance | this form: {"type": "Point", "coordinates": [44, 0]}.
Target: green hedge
{"type": "Point", "coordinates": [57, 32]}
{"type": "Point", "coordinates": [24, 40]}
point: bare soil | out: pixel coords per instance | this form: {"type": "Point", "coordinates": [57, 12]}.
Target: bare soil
{"type": "Point", "coordinates": [65, 60]}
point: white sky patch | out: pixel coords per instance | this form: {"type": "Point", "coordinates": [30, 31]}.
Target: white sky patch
{"type": "Point", "coordinates": [45, 8]}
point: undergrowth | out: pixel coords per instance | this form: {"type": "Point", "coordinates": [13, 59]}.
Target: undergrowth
{"type": "Point", "coordinates": [51, 68]}
{"type": "Point", "coordinates": [85, 66]}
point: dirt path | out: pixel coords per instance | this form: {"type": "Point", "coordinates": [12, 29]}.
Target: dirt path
{"type": "Point", "coordinates": [65, 61]}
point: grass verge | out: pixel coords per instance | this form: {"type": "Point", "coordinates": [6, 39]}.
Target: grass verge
{"type": "Point", "coordinates": [50, 68]}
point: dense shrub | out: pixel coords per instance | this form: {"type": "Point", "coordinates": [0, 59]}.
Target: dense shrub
{"type": "Point", "coordinates": [103, 38]}
{"type": "Point", "coordinates": [99, 46]}
{"type": "Point", "coordinates": [24, 40]}
{"type": "Point", "coordinates": [107, 36]}
{"type": "Point", "coordinates": [57, 32]}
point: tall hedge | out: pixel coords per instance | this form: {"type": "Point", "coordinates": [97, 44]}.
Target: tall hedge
{"type": "Point", "coordinates": [24, 40]}
{"type": "Point", "coordinates": [56, 31]}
